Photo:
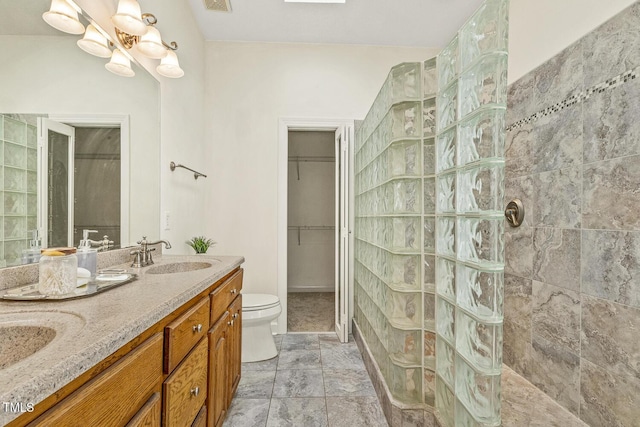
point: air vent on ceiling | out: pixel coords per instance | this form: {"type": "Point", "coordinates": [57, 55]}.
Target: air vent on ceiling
{"type": "Point", "coordinates": [218, 5]}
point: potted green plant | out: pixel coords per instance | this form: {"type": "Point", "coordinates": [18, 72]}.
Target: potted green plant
{"type": "Point", "coordinates": [200, 244]}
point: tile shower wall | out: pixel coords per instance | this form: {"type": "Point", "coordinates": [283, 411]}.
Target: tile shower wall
{"type": "Point", "coordinates": [572, 271]}
{"type": "Point", "coordinates": [18, 185]}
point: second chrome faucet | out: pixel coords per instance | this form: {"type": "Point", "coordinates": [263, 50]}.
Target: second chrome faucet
{"type": "Point", "coordinates": [143, 253]}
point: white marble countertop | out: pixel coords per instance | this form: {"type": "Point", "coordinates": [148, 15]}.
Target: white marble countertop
{"type": "Point", "coordinates": [90, 329]}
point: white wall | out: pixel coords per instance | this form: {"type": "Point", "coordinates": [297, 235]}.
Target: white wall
{"type": "Point", "coordinates": [311, 199]}
{"type": "Point", "coordinates": [182, 127]}
{"type": "Point", "coordinates": [540, 29]}
{"type": "Point", "coordinates": [249, 87]}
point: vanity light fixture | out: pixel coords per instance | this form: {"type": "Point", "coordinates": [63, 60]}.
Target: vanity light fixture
{"type": "Point", "coordinates": [128, 18]}
{"type": "Point", "coordinates": [94, 43]}
{"type": "Point", "coordinates": [152, 46]}
{"type": "Point", "coordinates": [120, 64]}
{"type": "Point", "coordinates": [132, 28]}
{"type": "Point", "coordinates": [169, 66]}
{"type": "Point", "coordinates": [62, 16]}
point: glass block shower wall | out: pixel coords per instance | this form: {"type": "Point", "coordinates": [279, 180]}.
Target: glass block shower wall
{"type": "Point", "coordinates": [471, 104]}
{"type": "Point", "coordinates": [424, 251]}
{"type": "Point", "coordinates": [18, 185]}
{"type": "Point", "coordinates": [394, 152]}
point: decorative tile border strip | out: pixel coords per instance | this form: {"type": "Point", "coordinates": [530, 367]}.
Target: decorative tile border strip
{"type": "Point", "coordinates": [579, 97]}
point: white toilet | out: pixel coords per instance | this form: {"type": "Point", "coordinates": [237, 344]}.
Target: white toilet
{"type": "Point", "coordinates": [258, 310]}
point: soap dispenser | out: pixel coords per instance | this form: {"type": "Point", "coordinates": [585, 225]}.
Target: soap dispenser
{"type": "Point", "coordinates": [32, 254]}
{"type": "Point", "coordinates": [87, 256]}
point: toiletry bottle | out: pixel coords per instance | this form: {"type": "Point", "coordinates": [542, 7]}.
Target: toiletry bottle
{"type": "Point", "coordinates": [87, 256]}
{"type": "Point", "coordinates": [32, 254]}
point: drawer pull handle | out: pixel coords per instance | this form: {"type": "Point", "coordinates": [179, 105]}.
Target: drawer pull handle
{"type": "Point", "coordinates": [233, 291]}
{"type": "Point", "coordinates": [195, 391]}
{"type": "Point", "coordinates": [197, 328]}
{"type": "Point", "coordinates": [230, 323]}
{"type": "Point", "coordinates": [235, 315]}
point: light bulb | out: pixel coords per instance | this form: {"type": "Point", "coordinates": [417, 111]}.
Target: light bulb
{"type": "Point", "coordinates": [120, 64]}
{"type": "Point", "coordinates": [169, 66]}
{"type": "Point", "coordinates": [63, 17]}
{"type": "Point", "coordinates": [94, 43]}
{"type": "Point", "coordinates": [151, 44]}
{"type": "Point", "coordinates": [128, 18]}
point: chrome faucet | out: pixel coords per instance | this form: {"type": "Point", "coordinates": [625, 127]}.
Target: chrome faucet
{"type": "Point", "coordinates": [143, 254]}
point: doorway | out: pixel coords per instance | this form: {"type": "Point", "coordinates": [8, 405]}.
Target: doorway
{"type": "Point", "coordinates": [314, 226]}
{"type": "Point", "coordinates": [86, 158]}
{"type": "Point", "coordinates": [311, 231]}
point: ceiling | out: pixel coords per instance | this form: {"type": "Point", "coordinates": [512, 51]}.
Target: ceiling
{"type": "Point", "coordinates": [421, 23]}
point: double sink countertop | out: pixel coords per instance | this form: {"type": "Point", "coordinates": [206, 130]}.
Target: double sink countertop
{"type": "Point", "coordinates": [90, 329]}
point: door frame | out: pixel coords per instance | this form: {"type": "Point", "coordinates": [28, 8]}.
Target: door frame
{"type": "Point", "coordinates": [109, 121]}
{"type": "Point", "coordinates": [286, 124]}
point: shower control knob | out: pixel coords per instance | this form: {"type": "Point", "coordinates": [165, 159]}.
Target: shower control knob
{"type": "Point", "coordinates": [514, 213]}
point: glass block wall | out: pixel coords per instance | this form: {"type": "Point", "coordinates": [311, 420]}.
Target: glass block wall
{"type": "Point", "coordinates": [429, 224]}
{"type": "Point", "coordinates": [471, 104]}
{"type": "Point", "coordinates": [394, 150]}
{"type": "Point", "coordinates": [18, 185]}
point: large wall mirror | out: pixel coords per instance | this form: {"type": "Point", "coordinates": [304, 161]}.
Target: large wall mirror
{"type": "Point", "coordinates": [106, 176]}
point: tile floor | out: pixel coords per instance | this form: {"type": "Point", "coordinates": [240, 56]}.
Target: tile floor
{"type": "Point", "coordinates": [311, 311]}
{"type": "Point", "coordinates": [314, 381]}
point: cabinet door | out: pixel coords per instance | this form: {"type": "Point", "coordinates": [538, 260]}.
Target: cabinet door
{"type": "Point", "coordinates": [218, 353]}
{"type": "Point", "coordinates": [149, 414]}
{"type": "Point", "coordinates": [235, 346]}
{"type": "Point", "coordinates": [115, 396]}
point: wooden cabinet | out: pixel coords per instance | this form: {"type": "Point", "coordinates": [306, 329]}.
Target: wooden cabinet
{"type": "Point", "coordinates": [235, 349]}
{"type": "Point", "coordinates": [149, 415]}
{"type": "Point", "coordinates": [225, 340]}
{"type": "Point", "coordinates": [185, 390]}
{"type": "Point", "coordinates": [115, 396]}
{"type": "Point", "coordinates": [179, 372]}
{"type": "Point", "coordinates": [218, 354]}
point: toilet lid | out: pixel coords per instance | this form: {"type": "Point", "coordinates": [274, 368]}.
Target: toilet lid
{"type": "Point", "coordinates": [257, 301]}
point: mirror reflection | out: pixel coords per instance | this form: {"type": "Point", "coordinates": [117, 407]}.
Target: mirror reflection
{"type": "Point", "coordinates": [100, 168]}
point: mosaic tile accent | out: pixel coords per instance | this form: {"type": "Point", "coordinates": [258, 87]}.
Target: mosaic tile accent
{"type": "Point", "coordinates": [580, 97]}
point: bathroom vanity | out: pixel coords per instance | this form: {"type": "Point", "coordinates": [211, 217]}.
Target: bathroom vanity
{"type": "Point", "coordinates": [163, 350]}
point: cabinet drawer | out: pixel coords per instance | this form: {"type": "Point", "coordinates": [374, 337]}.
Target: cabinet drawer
{"type": "Point", "coordinates": [149, 414]}
{"type": "Point", "coordinates": [201, 418]}
{"type": "Point", "coordinates": [186, 388]}
{"type": "Point", "coordinates": [113, 397]}
{"type": "Point", "coordinates": [184, 332]}
{"type": "Point", "coordinates": [224, 295]}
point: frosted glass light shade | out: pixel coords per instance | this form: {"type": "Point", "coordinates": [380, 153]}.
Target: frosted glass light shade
{"type": "Point", "coordinates": [169, 66]}
{"type": "Point", "coordinates": [120, 64]}
{"type": "Point", "coordinates": [150, 44]}
{"type": "Point", "coordinates": [94, 43]}
{"type": "Point", "coordinates": [128, 18]}
{"type": "Point", "coordinates": [63, 17]}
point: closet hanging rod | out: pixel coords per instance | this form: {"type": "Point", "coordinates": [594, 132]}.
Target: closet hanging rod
{"type": "Point", "coordinates": [311, 227]}
{"type": "Point", "coordinates": [312, 159]}
{"type": "Point", "coordinates": [196, 174]}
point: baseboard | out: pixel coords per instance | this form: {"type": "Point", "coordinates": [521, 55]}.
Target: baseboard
{"type": "Point", "coordinates": [325, 288]}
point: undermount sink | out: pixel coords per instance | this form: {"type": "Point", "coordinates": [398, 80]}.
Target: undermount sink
{"type": "Point", "coordinates": [178, 267]}
{"type": "Point", "coordinates": [28, 332]}
{"type": "Point", "coordinates": [21, 341]}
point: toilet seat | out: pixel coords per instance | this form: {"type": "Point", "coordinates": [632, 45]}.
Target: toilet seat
{"type": "Point", "coordinates": [255, 302]}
